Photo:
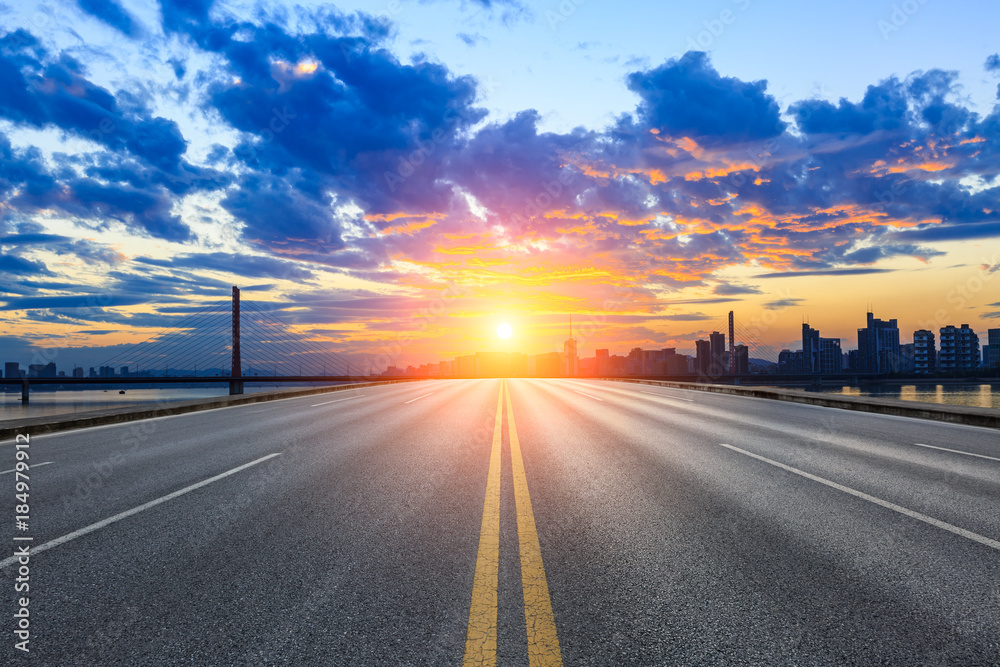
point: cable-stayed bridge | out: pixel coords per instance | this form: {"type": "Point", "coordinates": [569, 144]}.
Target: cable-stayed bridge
{"type": "Point", "coordinates": [227, 341]}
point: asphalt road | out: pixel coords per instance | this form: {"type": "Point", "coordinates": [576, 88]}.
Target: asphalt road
{"type": "Point", "coordinates": [397, 525]}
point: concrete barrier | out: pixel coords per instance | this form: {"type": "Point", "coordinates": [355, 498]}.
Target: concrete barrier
{"type": "Point", "coordinates": [955, 414]}
{"type": "Point", "coordinates": [10, 429]}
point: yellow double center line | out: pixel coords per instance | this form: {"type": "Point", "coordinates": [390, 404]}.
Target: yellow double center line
{"type": "Point", "coordinates": [481, 639]}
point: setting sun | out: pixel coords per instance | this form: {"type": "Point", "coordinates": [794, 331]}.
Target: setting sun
{"type": "Point", "coordinates": [504, 331]}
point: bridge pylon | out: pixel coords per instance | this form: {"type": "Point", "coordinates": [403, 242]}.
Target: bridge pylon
{"type": "Point", "coordinates": [236, 375]}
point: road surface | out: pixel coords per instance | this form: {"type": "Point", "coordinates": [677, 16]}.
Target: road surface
{"type": "Point", "coordinates": [397, 525]}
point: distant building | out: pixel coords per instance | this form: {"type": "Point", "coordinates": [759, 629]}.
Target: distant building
{"type": "Point", "coordinates": [878, 346]}
{"type": "Point", "coordinates": [742, 356]}
{"type": "Point", "coordinates": [718, 365]}
{"type": "Point", "coordinates": [908, 358]}
{"type": "Point", "coordinates": [124, 371]}
{"type": "Point", "coordinates": [42, 370]}
{"type": "Point", "coordinates": [603, 363]}
{"type": "Point", "coordinates": [703, 357]}
{"type": "Point", "coordinates": [810, 349]}
{"type": "Point", "coordinates": [924, 352]}
{"type": "Point", "coordinates": [12, 370]}
{"type": "Point", "coordinates": [992, 349]}
{"type": "Point", "coordinates": [831, 359]}
{"type": "Point", "coordinates": [548, 364]}
{"type": "Point", "coordinates": [790, 362]}
{"type": "Point", "coordinates": [854, 361]}
{"type": "Point", "coordinates": [959, 349]}
{"type": "Point", "coordinates": [571, 362]}
{"type": "Point", "coordinates": [92, 373]}
{"type": "Point", "coordinates": [466, 366]}
{"type": "Point", "coordinates": [78, 372]}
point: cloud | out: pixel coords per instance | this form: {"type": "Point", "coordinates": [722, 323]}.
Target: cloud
{"type": "Point", "coordinates": [248, 266]}
{"type": "Point", "coordinates": [730, 289]}
{"type": "Point", "coordinates": [687, 97]}
{"type": "Point", "coordinates": [111, 13]}
{"type": "Point", "coordinates": [84, 301]}
{"type": "Point", "coordinates": [992, 63]}
{"type": "Point", "coordinates": [822, 272]}
{"type": "Point", "coordinates": [14, 265]}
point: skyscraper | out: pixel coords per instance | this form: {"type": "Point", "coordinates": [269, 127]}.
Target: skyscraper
{"type": "Point", "coordinates": [924, 352]}
{"type": "Point", "coordinates": [741, 355]}
{"type": "Point", "coordinates": [959, 349]}
{"type": "Point", "coordinates": [11, 370]}
{"type": "Point", "coordinates": [571, 363]}
{"type": "Point", "coordinates": [718, 365]}
{"type": "Point", "coordinates": [831, 358]}
{"type": "Point", "coordinates": [703, 356]}
{"type": "Point", "coordinates": [810, 349]}
{"type": "Point", "coordinates": [878, 346]}
{"type": "Point", "coordinates": [603, 362]}
{"type": "Point", "coordinates": [993, 345]}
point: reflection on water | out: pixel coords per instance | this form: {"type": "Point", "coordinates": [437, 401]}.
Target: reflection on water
{"type": "Point", "coordinates": [45, 402]}
{"type": "Point", "coordinates": [974, 395]}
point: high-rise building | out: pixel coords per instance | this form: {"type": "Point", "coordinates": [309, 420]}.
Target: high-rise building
{"type": "Point", "coordinates": [959, 349]}
{"type": "Point", "coordinates": [878, 346]}
{"type": "Point", "coordinates": [993, 347]}
{"type": "Point", "coordinates": [741, 353]}
{"type": "Point", "coordinates": [124, 371]}
{"type": "Point", "coordinates": [790, 363]}
{"type": "Point", "coordinates": [810, 349]}
{"type": "Point", "coordinates": [717, 365]}
{"type": "Point", "coordinates": [571, 362]}
{"type": "Point", "coordinates": [908, 358]}
{"type": "Point", "coordinates": [42, 370]}
{"type": "Point", "coordinates": [603, 362]}
{"type": "Point", "coordinates": [703, 356]}
{"type": "Point", "coordinates": [831, 359]}
{"type": "Point", "coordinates": [924, 352]}
{"type": "Point", "coordinates": [78, 372]}
{"type": "Point", "coordinates": [12, 370]}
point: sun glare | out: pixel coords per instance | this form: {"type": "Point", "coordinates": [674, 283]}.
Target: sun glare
{"type": "Point", "coordinates": [504, 331]}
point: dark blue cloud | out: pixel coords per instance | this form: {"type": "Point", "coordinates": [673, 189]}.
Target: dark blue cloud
{"type": "Point", "coordinates": [53, 92]}
{"type": "Point", "coordinates": [993, 63]}
{"type": "Point", "coordinates": [254, 266]}
{"type": "Point", "coordinates": [688, 97]}
{"type": "Point", "coordinates": [823, 272]}
{"type": "Point", "coordinates": [111, 13]}
{"type": "Point", "coordinates": [14, 265]}
{"type": "Point", "coordinates": [730, 289]}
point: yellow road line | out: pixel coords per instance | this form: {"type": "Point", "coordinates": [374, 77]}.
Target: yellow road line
{"type": "Point", "coordinates": [481, 638]}
{"type": "Point", "coordinates": [543, 644]}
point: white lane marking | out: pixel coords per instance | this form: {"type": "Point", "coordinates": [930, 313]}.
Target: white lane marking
{"type": "Point", "coordinates": [653, 393]}
{"type": "Point", "coordinates": [135, 510]}
{"type": "Point", "coordinates": [336, 401]}
{"type": "Point", "coordinates": [593, 397]}
{"type": "Point", "coordinates": [955, 451]}
{"type": "Point", "coordinates": [975, 537]}
{"type": "Point", "coordinates": [29, 467]}
{"type": "Point", "coordinates": [417, 398]}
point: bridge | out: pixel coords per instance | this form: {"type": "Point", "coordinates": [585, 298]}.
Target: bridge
{"type": "Point", "coordinates": [231, 342]}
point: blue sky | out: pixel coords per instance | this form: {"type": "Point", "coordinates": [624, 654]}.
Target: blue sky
{"type": "Point", "coordinates": [351, 162]}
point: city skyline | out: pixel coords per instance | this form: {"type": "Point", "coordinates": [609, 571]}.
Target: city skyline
{"type": "Point", "coordinates": [881, 350]}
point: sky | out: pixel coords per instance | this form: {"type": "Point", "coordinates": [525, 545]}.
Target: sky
{"type": "Point", "coordinates": [394, 179]}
